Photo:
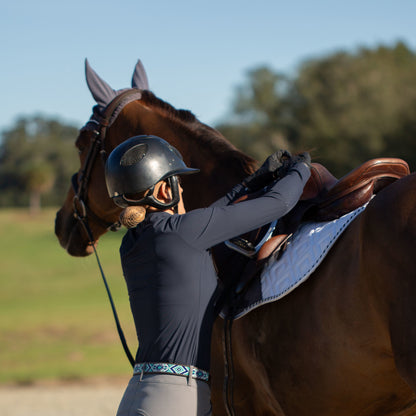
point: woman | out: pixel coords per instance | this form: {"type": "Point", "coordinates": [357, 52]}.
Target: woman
{"type": "Point", "coordinates": [168, 268]}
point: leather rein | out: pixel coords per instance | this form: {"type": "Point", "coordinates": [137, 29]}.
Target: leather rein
{"type": "Point", "coordinates": [99, 125]}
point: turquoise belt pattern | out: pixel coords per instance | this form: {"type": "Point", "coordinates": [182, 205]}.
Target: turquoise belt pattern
{"type": "Point", "coordinates": [174, 369]}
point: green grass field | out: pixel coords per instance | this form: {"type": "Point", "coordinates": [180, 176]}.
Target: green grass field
{"type": "Point", "coordinates": [55, 317]}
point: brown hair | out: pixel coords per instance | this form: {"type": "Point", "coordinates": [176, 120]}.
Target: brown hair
{"type": "Point", "coordinates": [131, 216]}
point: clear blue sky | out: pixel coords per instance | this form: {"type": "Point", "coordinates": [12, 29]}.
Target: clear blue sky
{"type": "Point", "coordinates": [195, 53]}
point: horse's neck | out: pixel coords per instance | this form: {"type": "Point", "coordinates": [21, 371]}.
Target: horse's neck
{"type": "Point", "coordinates": [220, 171]}
{"type": "Point", "coordinates": [221, 164]}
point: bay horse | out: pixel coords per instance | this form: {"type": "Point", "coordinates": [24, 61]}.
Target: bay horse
{"type": "Point", "coordinates": [343, 343]}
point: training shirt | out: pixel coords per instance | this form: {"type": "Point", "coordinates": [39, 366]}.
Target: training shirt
{"type": "Point", "coordinates": [170, 274]}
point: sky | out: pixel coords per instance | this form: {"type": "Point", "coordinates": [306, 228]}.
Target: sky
{"type": "Point", "coordinates": [195, 53]}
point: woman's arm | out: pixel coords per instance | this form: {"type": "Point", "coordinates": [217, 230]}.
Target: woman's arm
{"type": "Point", "coordinates": [206, 227]}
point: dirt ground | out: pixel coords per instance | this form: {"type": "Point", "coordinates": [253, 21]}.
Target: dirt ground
{"type": "Point", "coordinates": [88, 398]}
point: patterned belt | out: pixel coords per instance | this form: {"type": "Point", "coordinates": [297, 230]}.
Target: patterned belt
{"type": "Point", "coordinates": [174, 369]}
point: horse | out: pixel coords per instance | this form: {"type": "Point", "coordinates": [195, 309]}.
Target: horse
{"type": "Point", "coordinates": [343, 343]}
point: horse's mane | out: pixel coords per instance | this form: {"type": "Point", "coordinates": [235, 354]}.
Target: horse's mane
{"type": "Point", "coordinates": [207, 136]}
{"type": "Point", "coordinates": [184, 115]}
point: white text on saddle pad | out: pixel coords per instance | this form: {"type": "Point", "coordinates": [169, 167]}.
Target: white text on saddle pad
{"type": "Point", "coordinates": [306, 250]}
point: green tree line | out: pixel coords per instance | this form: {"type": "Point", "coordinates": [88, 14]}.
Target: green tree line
{"type": "Point", "coordinates": [37, 158]}
{"type": "Point", "coordinates": [345, 108]}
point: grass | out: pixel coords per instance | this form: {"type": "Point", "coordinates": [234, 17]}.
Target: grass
{"type": "Point", "coordinates": [55, 318]}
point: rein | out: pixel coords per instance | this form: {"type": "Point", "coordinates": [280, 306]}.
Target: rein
{"type": "Point", "coordinates": [99, 126]}
{"type": "Point", "coordinates": [87, 229]}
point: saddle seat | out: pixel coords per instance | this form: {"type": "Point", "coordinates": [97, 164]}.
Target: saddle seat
{"type": "Point", "coordinates": [326, 198]}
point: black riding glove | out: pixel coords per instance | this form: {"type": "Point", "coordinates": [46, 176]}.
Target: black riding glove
{"type": "Point", "coordinates": [275, 166]}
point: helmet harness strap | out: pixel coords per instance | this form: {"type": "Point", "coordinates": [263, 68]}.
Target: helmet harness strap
{"type": "Point", "coordinates": [151, 200]}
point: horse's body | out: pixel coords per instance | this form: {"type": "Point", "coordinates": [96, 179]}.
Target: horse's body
{"type": "Point", "coordinates": [344, 342]}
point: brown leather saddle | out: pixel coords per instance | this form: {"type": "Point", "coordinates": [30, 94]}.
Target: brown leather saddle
{"type": "Point", "coordinates": [324, 198]}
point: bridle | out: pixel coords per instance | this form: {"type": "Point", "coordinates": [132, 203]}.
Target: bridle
{"type": "Point", "coordinates": [98, 126]}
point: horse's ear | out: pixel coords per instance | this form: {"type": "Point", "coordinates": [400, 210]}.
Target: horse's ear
{"type": "Point", "coordinates": [139, 79]}
{"type": "Point", "coordinates": [99, 89]}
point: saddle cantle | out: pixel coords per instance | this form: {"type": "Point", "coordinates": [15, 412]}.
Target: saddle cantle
{"type": "Point", "coordinates": [335, 198]}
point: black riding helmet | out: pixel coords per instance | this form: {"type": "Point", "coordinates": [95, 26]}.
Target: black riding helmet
{"type": "Point", "coordinates": [139, 163]}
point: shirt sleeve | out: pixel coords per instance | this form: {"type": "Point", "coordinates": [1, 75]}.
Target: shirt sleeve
{"type": "Point", "coordinates": [203, 228]}
{"type": "Point", "coordinates": [235, 193]}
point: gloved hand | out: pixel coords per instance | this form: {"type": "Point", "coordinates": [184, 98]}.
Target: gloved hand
{"type": "Point", "coordinates": [270, 170]}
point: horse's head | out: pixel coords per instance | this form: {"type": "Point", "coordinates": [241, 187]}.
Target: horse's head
{"type": "Point", "coordinates": [87, 208]}
{"type": "Point", "coordinates": [118, 116]}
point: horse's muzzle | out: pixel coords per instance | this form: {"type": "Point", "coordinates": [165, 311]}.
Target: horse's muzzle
{"type": "Point", "coordinates": [71, 234]}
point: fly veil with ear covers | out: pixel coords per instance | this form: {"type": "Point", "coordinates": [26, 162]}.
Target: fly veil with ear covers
{"type": "Point", "coordinates": [137, 165]}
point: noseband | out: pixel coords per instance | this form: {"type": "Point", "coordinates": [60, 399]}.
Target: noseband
{"type": "Point", "coordinates": [98, 125]}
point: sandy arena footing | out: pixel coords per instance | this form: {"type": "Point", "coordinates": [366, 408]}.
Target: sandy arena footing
{"type": "Point", "coordinates": [84, 399]}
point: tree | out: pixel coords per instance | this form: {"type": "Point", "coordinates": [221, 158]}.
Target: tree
{"type": "Point", "coordinates": [345, 108]}
{"type": "Point", "coordinates": [260, 119]}
{"type": "Point", "coordinates": [39, 178]}
{"type": "Point", "coordinates": [37, 157]}
{"type": "Point", "coordinates": [353, 107]}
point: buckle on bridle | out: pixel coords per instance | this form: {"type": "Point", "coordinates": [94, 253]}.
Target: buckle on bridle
{"type": "Point", "coordinates": [80, 210]}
